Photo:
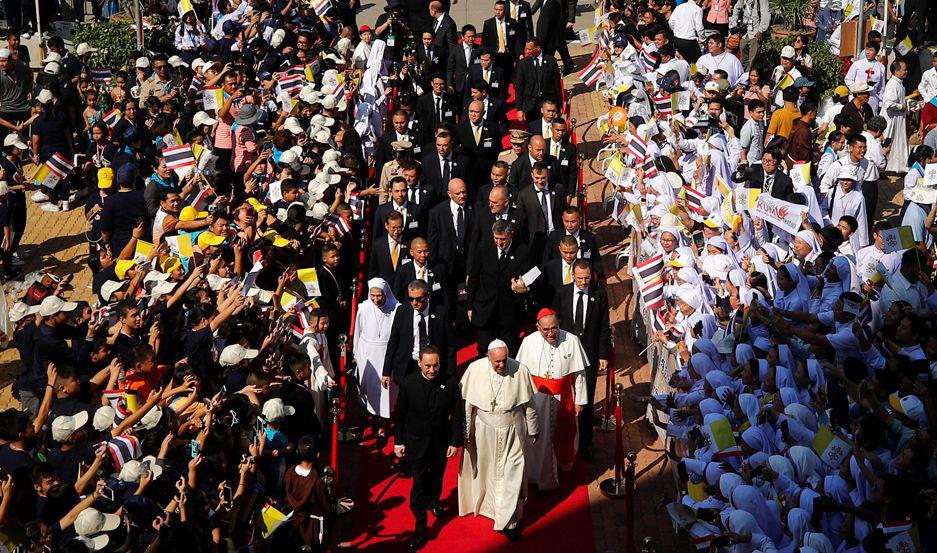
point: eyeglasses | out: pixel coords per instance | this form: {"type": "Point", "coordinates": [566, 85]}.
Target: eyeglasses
{"type": "Point", "coordinates": [158, 67]}
{"type": "Point", "coordinates": [551, 329]}
{"type": "Point", "coordinates": [417, 298]}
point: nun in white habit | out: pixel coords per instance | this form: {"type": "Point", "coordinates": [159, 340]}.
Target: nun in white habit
{"type": "Point", "coordinates": [848, 200]}
{"type": "Point", "coordinates": [372, 332]}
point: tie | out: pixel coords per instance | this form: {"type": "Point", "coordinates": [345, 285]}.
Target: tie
{"type": "Point", "coordinates": [438, 109]}
{"type": "Point", "coordinates": [555, 149]}
{"type": "Point", "coordinates": [567, 278]}
{"type": "Point", "coordinates": [421, 274]}
{"type": "Point", "coordinates": [459, 226]}
{"type": "Point", "coordinates": [468, 55]}
{"type": "Point", "coordinates": [478, 133]}
{"type": "Point", "coordinates": [500, 36]}
{"type": "Point", "coordinates": [501, 257]}
{"type": "Point", "coordinates": [394, 254]}
{"type": "Point", "coordinates": [513, 11]}
{"type": "Point", "coordinates": [545, 207]}
{"type": "Point", "coordinates": [487, 76]}
{"type": "Point", "coordinates": [424, 336]}
{"type": "Point", "coordinates": [577, 317]}
{"type": "Point", "coordinates": [413, 196]}
{"type": "Point", "coordinates": [539, 76]}
{"type": "Point", "coordinates": [446, 171]}
{"type": "Point", "coordinates": [769, 184]}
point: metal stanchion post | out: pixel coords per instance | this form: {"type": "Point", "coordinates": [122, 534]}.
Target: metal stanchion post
{"type": "Point", "coordinates": [607, 423]}
{"type": "Point", "coordinates": [342, 433]}
{"type": "Point", "coordinates": [583, 200]}
{"type": "Point", "coordinates": [614, 487]}
{"type": "Point", "coordinates": [648, 546]}
{"type": "Point", "coordinates": [629, 502]}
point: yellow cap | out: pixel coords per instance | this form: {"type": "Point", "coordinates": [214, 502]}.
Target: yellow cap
{"type": "Point", "coordinates": [842, 91]}
{"type": "Point", "coordinates": [255, 203]}
{"type": "Point", "coordinates": [207, 239]}
{"type": "Point", "coordinates": [189, 213]}
{"type": "Point", "coordinates": [105, 177]}
{"type": "Point", "coordinates": [170, 264]}
{"type": "Point", "coordinates": [277, 240]}
{"type": "Point", "coordinates": [123, 265]}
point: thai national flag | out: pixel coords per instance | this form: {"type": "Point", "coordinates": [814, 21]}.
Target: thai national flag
{"type": "Point", "coordinates": [101, 75]}
{"type": "Point", "coordinates": [637, 147]}
{"type": "Point", "coordinates": [59, 165]}
{"type": "Point", "coordinates": [650, 270]}
{"type": "Point", "coordinates": [111, 117]}
{"type": "Point", "coordinates": [355, 203]}
{"type": "Point", "coordinates": [694, 200]}
{"type": "Point", "coordinates": [122, 449]}
{"type": "Point", "coordinates": [339, 223]}
{"type": "Point", "coordinates": [321, 6]}
{"type": "Point", "coordinates": [664, 105]}
{"type": "Point", "coordinates": [653, 294]}
{"type": "Point", "coordinates": [592, 72]}
{"type": "Point", "coordinates": [291, 84]}
{"type": "Point", "coordinates": [179, 157]}
{"type": "Point", "coordinates": [650, 168]}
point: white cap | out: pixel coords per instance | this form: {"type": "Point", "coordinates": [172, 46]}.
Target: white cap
{"type": "Point", "coordinates": [176, 61]}
{"type": "Point", "coordinates": [196, 63]}
{"type": "Point", "coordinates": [111, 286]}
{"type": "Point", "coordinates": [14, 139]}
{"type": "Point", "coordinates": [329, 102]}
{"type": "Point", "coordinates": [52, 56]}
{"type": "Point", "coordinates": [323, 136]}
{"type": "Point", "coordinates": [150, 463]}
{"type": "Point", "coordinates": [45, 96]}
{"type": "Point", "coordinates": [151, 418]}
{"type": "Point", "coordinates": [4, 188]}
{"type": "Point", "coordinates": [331, 155]}
{"type": "Point", "coordinates": [292, 124]}
{"type": "Point", "coordinates": [20, 310]}
{"type": "Point", "coordinates": [496, 344]}
{"type": "Point", "coordinates": [142, 62]}
{"type": "Point", "coordinates": [4, 53]}
{"type": "Point", "coordinates": [131, 472]}
{"type": "Point", "coordinates": [328, 178]}
{"type": "Point", "coordinates": [275, 409]}
{"type": "Point", "coordinates": [788, 52]}
{"type": "Point", "coordinates": [319, 210]}
{"type": "Point", "coordinates": [162, 287]}
{"type": "Point", "coordinates": [103, 418]}
{"type": "Point", "coordinates": [202, 118]}
{"type": "Point", "coordinates": [234, 354]}
{"type": "Point", "coordinates": [322, 121]}
{"type": "Point", "coordinates": [278, 37]}
{"type": "Point", "coordinates": [52, 68]}
{"type": "Point", "coordinates": [85, 48]}
{"type": "Point", "coordinates": [54, 304]}
{"type": "Point", "coordinates": [92, 521]}
{"type": "Point", "coordinates": [216, 282]}
{"type": "Point", "coordinates": [64, 425]}
{"type": "Point", "coordinates": [96, 543]}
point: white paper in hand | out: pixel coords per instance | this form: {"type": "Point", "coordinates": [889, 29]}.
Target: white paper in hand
{"type": "Point", "coordinates": [530, 276]}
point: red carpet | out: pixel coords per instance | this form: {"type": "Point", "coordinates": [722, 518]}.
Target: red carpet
{"type": "Point", "coordinates": [382, 520]}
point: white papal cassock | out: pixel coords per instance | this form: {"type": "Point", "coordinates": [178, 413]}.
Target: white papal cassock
{"type": "Point", "coordinates": [559, 379]}
{"type": "Point", "coordinates": [499, 417]}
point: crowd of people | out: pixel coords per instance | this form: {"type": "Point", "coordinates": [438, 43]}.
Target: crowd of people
{"type": "Point", "coordinates": [287, 189]}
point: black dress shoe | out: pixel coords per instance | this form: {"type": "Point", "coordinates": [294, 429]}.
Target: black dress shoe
{"type": "Point", "coordinates": [417, 542]}
{"type": "Point", "coordinates": [439, 511]}
{"type": "Point", "coordinates": [514, 534]}
{"type": "Point", "coordinates": [381, 441]}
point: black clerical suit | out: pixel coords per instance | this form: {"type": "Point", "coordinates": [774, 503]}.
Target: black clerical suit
{"type": "Point", "coordinates": [399, 361]}
{"type": "Point", "coordinates": [594, 332]}
{"type": "Point", "coordinates": [447, 242]}
{"type": "Point", "coordinates": [428, 421]}
{"type": "Point", "coordinates": [497, 311]}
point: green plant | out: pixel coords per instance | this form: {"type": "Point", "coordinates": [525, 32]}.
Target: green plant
{"type": "Point", "coordinates": [117, 43]}
{"type": "Point", "coordinates": [792, 12]}
{"type": "Point", "coordinates": [827, 71]}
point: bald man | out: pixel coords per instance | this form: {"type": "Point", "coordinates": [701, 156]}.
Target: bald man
{"type": "Point", "coordinates": [520, 176]}
{"type": "Point", "coordinates": [449, 226]}
{"type": "Point", "coordinates": [443, 27]}
{"type": "Point", "coordinates": [478, 138]}
{"type": "Point", "coordinates": [419, 267]}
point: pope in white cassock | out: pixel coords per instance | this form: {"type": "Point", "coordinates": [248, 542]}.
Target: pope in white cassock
{"type": "Point", "coordinates": [557, 364]}
{"type": "Point", "coordinates": [372, 331]}
{"type": "Point", "coordinates": [499, 421]}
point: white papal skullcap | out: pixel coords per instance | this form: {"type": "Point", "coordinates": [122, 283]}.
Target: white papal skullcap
{"type": "Point", "coordinates": [497, 344]}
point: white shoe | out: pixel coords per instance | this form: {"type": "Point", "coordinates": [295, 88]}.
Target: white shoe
{"type": "Point", "coordinates": [50, 207]}
{"type": "Point", "coordinates": [65, 205]}
{"type": "Point", "coordinates": [38, 196]}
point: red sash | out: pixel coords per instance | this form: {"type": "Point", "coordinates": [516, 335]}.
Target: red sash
{"type": "Point", "coordinates": [564, 440]}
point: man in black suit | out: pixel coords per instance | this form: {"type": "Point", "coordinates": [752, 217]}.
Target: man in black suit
{"type": "Point", "coordinates": [588, 245]}
{"type": "Point", "coordinates": [493, 76]}
{"type": "Point", "coordinates": [769, 179]}
{"type": "Point", "coordinates": [428, 432]}
{"type": "Point", "coordinates": [419, 267]}
{"type": "Point", "coordinates": [583, 310]}
{"type": "Point", "coordinates": [495, 289]}
{"type": "Point", "coordinates": [398, 203]}
{"type": "Point", "coordinates": [431, 56]}
{"type": "Point", "coordinates": [519, 177]}
{"type": "Point", "coordinates": [564, 152]}
{"type": "Point", "coordinates": [499, 208]}
{"type": "Point", "coordinates": [414, 328]}
{"type": "Point", "coordinates": [555, 21]}
{"type": "Point", "coordinates": [543, 125]}
{"type": "Point", "coordinates": [542, 204]}
{"type": "Point", "coordinates": [400, 133]}
{"type": "Point", "coordinates": [558, 272]}
{"type": "Point", "coordinates": [419, 193]}
{"type": "Point", "coordinates": [500, 36]}
{"type": "Point", "coordinates": [435, 107]}
{"type": "Point", "coordinates": [478, 140]}
{"type": "Point", "coordinates": [519, 10]}
{"type": "Point", "coordinates": [388, 251]}
{"type": "Point", "coordinates": [449, 225]}
{"type": "Point", "coordinates": [499, 177]}
{"type": "Point", "coordinates": [495, 116]}
{"type": "Point", "coordinates": [442, 26]}
{"type": "Point", "coordinates": [443, 165]}
{"type": "Point", "coordinates": [462, 58]}
{"type": "Point", "coordinates": [537, 77]}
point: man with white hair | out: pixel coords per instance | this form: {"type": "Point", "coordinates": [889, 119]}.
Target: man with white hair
{"type": "Point", "coordinates": [557, 364]}
{"type": "Point", "coordinates": [499, 418]}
